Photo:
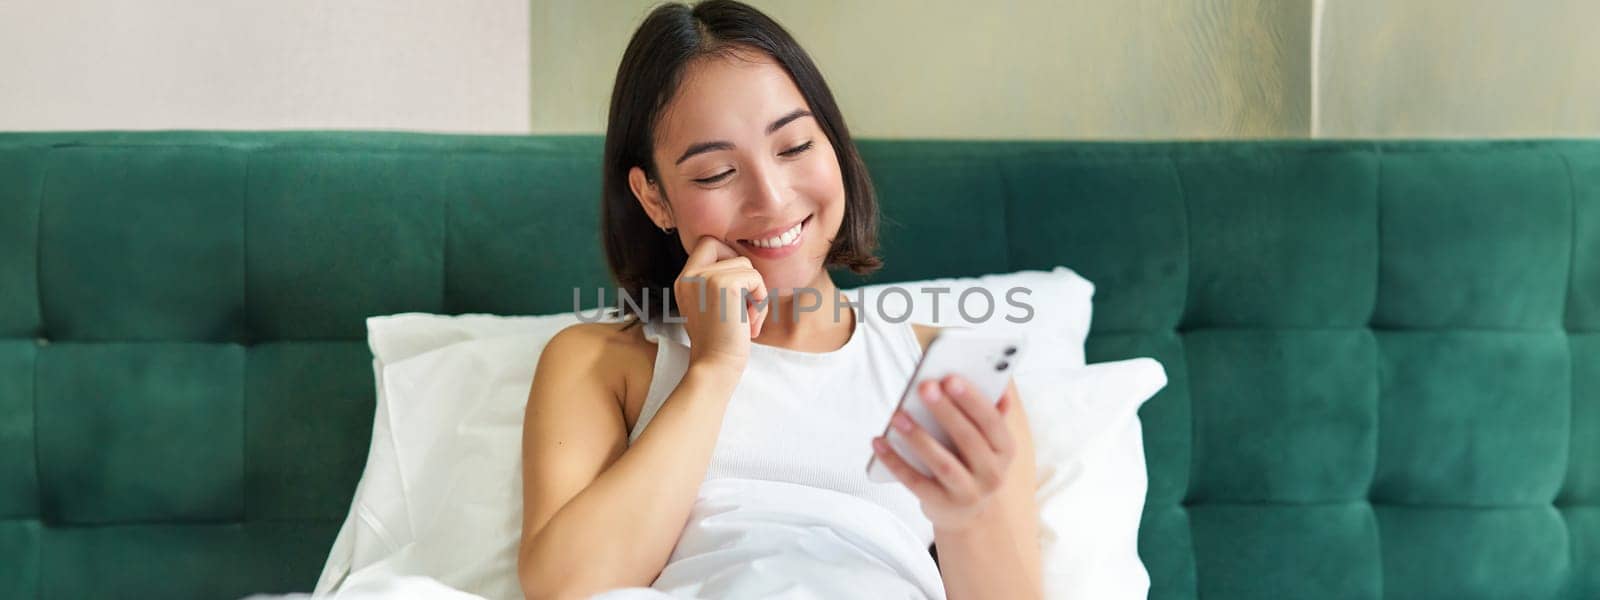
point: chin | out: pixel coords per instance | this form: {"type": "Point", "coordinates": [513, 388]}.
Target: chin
{"type": "Point", "coordinates": [783, 283]}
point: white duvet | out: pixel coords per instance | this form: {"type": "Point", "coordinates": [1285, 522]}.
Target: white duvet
{"type": "Point", "coordinates": [750, 538]}
{"type": "Point", "coordinates": [392, 587]}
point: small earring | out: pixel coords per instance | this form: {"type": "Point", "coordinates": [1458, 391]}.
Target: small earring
{"type": "Point", "coordinates": [669, 230]}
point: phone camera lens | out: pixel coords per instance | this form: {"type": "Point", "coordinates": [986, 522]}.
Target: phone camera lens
{"type": "Point", "coordinates": [1010, 350]}
{"type": "Point", "coordinates": [1002, 366]}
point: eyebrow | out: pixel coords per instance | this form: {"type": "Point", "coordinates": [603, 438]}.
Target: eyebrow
{"type": "Point", "coordinates": [713, 146]}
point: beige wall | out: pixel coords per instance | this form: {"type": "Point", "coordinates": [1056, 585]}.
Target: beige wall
{"type": "Point", "coordinates": [1144, 69]}
{"type": "Point", "coordinates": [249, 64]}
{"type": "Point", "coordinates": [1018, 69]}
{"type": "Point", "coordinates": [1075, 69]}
{"type": "Point", "coordinates": [1458, 68]}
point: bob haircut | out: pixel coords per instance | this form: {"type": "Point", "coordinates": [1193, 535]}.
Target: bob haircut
{"type": "Point", "coordinates": [643, 259]}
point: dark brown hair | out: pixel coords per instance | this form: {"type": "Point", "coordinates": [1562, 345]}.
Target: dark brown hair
{"type": "Point", "coordinates": [642, 257]}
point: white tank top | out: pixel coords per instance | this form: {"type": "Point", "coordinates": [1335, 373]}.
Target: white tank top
{"type": "Point", "coordinates": [786, 509]}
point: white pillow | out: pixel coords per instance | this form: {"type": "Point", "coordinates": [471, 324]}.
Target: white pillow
{"type": "Point", "coordinates": [1089, 449]}
{"type": "Point", "coordinates": [1060, 302]}
{"type": "Point", "coordinates": [441, 493]}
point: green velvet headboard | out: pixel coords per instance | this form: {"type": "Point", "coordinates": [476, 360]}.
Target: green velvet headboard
{"type": "Point", "coordinates": [1384, 357]}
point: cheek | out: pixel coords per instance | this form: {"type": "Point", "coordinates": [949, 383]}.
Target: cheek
{"type": "Point", "coordinates": [824, 184]}
{"type": "Point", "coordinates": [702, 212]}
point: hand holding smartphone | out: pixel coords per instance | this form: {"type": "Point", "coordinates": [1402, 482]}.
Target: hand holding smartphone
{"type": "Point", "coordinates": [984, 359]}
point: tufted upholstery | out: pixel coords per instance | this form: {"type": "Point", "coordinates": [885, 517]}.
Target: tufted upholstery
{"type": "Point", "coordinates": [1384, 357]}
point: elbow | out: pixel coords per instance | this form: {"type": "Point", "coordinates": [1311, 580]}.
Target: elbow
{"type": "Point", "coordinates": [535, 584]}
{"type": "Point", "coordinates": [551, 570]}
{"type": "Point", "coordinates": [534, 588]}
{"type": "Point", "coordinates": [562, 586]}
{"type": "Point", "coordinates": [531, 593]}
{"type": "Point", "coordinates": [540, 582]}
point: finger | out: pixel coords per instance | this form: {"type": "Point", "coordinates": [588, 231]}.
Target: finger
{"type": "Point", "coordinates": [982, 412]}
{"type": "Point", "coordinates": [924, 487]}
{"type": "Point", "coordinates": [946, 468]}
{"type": "Point", "coordinates": [736, 285]}
{"type": "Point", "coordinates": [736, 294]}
{"type": "Point", "coordinates": [708, 249]}
{"type": "Point", "coordinates": [756, 305]}
{"type": "Point", "coordinates": [975, 451]}
{"type": "Point", "coordinates": [758, 318]}
{"type": "Point", "coordinates": [730, 266]}
{"type": "Point", "coordinates": [750, 291]}
{"type": "Point", "coordinates": [737, 263]}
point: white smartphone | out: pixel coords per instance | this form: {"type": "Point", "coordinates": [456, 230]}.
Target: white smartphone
{"type": "Point", "coordinates": [985, 359]}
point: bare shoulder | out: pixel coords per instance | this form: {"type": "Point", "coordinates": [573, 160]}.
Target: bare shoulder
{"type": "Point", "coordinates": [575, 424]}
{"type": "Point", "coordinates": [600, 338]}
{"type": "Point", "coordinates": [602, 349]}
{"type": "Point", "coordinates": [610, 354]}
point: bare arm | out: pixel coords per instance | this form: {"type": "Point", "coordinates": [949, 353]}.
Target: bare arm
{"type": "Point", "coordinates": [597, 513]}
{"type": "Point", "coordinates": [999, 557]}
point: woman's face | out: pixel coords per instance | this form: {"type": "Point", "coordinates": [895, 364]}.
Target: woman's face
{"type": "Point", "coordinates": [740, 157]}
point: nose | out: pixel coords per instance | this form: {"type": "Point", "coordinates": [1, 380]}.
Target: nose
{"type": "Point", "coordinates": [765, 195]}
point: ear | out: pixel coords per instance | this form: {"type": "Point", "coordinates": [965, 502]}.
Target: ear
{"type": "Point", "coordinates": [649, 195]}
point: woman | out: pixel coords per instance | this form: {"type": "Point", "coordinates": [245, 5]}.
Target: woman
{"type": "Point", "coordinates": [725, 457]}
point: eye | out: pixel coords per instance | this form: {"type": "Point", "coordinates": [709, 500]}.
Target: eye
{"type": "Point", "coordinates": [795, 151]}
{"type": "Point", "coordinates": [715, 178]}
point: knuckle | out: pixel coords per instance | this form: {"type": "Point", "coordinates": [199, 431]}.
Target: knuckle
{"type": "Point", "coordinates": [964, 495]}
{"type": "Point", "coordinates": [966, 436]}
{"type": "Point", "coordinates": [986, 412]}
{"type": "Point", "coordinates": [1007, 452]}
{"type": "Point", "coordinates": [975, 432]}
{"type": "Point", "coordinates": [1003, 440]}
{"type": "Point", "coordinates": [991, 480]}
{"type": "Point", "coordinates": [974, 399]}
{"type": "Point", "coordinates": [991, 421]}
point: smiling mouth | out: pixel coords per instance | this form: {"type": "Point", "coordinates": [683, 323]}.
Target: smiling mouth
{"type": "Point", "coordinates": [788, 238]}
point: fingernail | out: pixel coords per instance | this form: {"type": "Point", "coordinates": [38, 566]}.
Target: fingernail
{"type": "Point", "coordinates": [933, 397]}
{"type": "Point", "coordinates": [902, 423]}
{"type": "Point", "coordinates": [877, 444]}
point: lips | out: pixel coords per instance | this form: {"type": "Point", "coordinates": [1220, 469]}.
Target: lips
{"type": "Point", "coordinates": [777, 238]}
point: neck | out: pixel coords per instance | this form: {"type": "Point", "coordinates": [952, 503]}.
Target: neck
{"type": "Point", "coordinates": [804, 320]}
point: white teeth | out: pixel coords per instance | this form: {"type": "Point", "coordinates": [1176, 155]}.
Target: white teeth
{"type": "Point", "coordinates": [780, 240]}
